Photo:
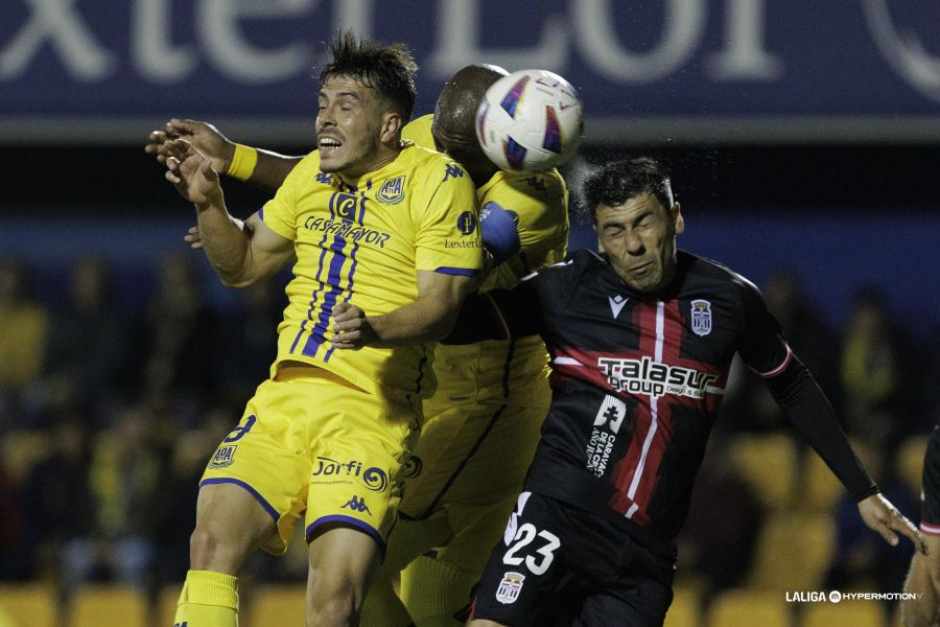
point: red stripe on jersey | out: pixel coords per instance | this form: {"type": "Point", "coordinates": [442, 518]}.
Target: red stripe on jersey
{"type": "Point", "coordinates": [644, 321]}
{"type": "Point", "coordinates": [672, 345]}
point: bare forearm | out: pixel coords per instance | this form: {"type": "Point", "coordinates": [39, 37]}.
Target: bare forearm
{"type": "Point", "coordinates": [272, 169]}
{"type": "Point", "coordinates": [225, 242]}
{"type": "Point", "coordinates": [425, 320]}
{"type": "Point", "coordinates": [920, 611]}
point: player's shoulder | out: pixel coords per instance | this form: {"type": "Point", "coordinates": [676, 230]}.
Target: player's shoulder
{"type": "Point", "coordinates": [570, 271]}
{"type": "Point", "coordinates": [418, 131]}
{"type": "Point", "coordinates": [544, 187]}
{"type": "Point", "coordinates": [716, 275]}
{"type": "Point", "coordinates": [310, 161]}
{"type": "Point", "coordinates": [307, 171]}
{"type": "Point", "coordinates": [431, 164]}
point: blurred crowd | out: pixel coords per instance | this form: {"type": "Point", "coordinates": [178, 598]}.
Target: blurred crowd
{"type": "Point", "coordinates": [109, 411]}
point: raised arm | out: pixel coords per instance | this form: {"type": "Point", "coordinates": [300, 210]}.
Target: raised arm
{"type": "Point", "coordinates": [241, 254]}
{"type": "Point", "coordinates": [264, 168]}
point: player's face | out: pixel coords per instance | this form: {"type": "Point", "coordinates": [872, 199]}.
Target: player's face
{"type": "Point", "coordinates": [639, 236]}
{"type": "Point", "coordinates": [349, 126]}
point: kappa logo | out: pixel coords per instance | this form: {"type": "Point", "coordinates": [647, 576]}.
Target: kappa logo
{"type": "Point", "coordinates": [392, 191]}
{"type": "Point", "coordinates": [510, 587]}
{"type": "Point", "coordinates": [453, 170]}
{"type": "Point", "coordinates": [185, 623]}
{"type": "Point", "coordinates": [357, 504]}
{"type": "Point", "coordinates": [701, 317]}
{"type": "Point", "coordinates": [616, 304]}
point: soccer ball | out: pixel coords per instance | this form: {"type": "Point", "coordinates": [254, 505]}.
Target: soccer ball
{"type": "Point", "coordinates": [529, 120]}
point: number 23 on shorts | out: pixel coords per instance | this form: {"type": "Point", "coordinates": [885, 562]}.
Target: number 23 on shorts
{"type": "Point", "coordinates": [519, 537]}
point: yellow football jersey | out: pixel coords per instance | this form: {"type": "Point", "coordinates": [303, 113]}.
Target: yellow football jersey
{"type": "Point", "coordinates": [364, 245]}
{"type": "Point", "coordinates": [419, 131]}
{"type": "Point", "coordinates": [540, 199]}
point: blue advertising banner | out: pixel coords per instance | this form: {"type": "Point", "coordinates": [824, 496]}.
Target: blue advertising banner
{"type": "Point", "coordinates": [655, 70]}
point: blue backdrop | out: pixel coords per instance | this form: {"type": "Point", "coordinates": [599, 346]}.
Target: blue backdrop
{"type": "Point", "coordinates": [685, 68]}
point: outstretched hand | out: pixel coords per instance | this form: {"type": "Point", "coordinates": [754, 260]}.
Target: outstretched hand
{"type": "Point", "coordinates": [351, 328]}
{"type": "Point", "coordinates": [202, 136]}
{"type": "Point", "coordinates": [884, 518]}
{"type": "Point", "coordinates": [192, 174]}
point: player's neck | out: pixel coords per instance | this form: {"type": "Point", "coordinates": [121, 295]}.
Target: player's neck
{"type": "Point", "coordinates": [385, 155]}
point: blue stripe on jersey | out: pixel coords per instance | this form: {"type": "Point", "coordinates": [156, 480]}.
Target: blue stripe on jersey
{"type": "Point", "coordinates": [456, 271]}
{"type": "Point", "coordinates": [326, 309]}
{"type": "Point", "coordinates": [317, 336]}
{"type": "Point", "coordinates": [353, 265]}
{"type": "Point", "coordinates": [313, 296]}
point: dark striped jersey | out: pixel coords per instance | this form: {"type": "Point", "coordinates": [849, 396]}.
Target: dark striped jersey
{"type": "Point", "coordinates": [637, 380]}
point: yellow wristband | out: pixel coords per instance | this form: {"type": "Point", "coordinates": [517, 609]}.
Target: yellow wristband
{"type": "Point", "coordinates": [243, 162]}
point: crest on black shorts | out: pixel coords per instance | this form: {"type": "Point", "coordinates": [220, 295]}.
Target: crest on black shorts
{"type": "Point", "coordinates": [510, 587]}
{"type": "Point", "coordinates": [701, 317]}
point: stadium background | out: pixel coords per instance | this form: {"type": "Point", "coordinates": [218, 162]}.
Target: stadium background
{"type": "Point", "coordinates": [803, 139]}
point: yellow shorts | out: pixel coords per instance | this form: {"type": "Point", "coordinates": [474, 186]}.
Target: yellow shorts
{"type": "Point", "coordinates": [475, 447]}
{"type": "Point", "coordinates": [311, 442]}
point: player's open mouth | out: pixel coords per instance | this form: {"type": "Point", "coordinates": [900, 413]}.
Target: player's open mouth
{"type": "Point", "coordinates": [328, 144]}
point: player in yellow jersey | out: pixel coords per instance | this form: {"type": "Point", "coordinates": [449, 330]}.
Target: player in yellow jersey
{"type": "Point", "coordinates": [372, 223]}
{"type": "Point", "coordinates": [482, 423]}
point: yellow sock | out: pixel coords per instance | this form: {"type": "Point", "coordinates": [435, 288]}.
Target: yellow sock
{"type": "Point", "coordinates": [208, 599]}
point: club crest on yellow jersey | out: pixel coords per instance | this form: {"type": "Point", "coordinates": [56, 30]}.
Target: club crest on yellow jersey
{"type": "Point", "coordinates": [392, 191]}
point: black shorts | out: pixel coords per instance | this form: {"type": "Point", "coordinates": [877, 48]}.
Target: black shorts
{"type": "Point", "coordinates": [930, 487]}
{"type": "Point", "coordinates": [560, 565]}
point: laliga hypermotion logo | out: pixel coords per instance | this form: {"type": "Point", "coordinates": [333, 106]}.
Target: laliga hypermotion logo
{"type": "Point", "coordinates": [904, 48]}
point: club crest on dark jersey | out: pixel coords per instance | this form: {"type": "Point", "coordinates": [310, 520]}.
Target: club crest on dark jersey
{"type": "Point", "coordinates": [701, 317]}
{"type": "Point", "coordinates": [392, 191]}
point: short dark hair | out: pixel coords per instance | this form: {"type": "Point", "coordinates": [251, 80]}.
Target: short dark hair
{"type": "Point", "coordinates": [389, 69]}
{"type": "Point", "coordinates": [618, 181]}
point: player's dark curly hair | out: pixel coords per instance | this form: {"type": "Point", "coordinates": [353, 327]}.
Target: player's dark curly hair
{"type": "Point", "coordinates": [390, 70]}
{"type": "Point", "coordinates": [618, 181]}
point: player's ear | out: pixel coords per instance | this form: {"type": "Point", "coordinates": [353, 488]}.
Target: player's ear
{"type": "Point", "coordinates": [679, 220]}
{"type": "Point", "coordinates": [392, 124]}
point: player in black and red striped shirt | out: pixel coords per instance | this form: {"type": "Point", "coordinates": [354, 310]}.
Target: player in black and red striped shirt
{"type": "Point", "coordinates": [641, 340]}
